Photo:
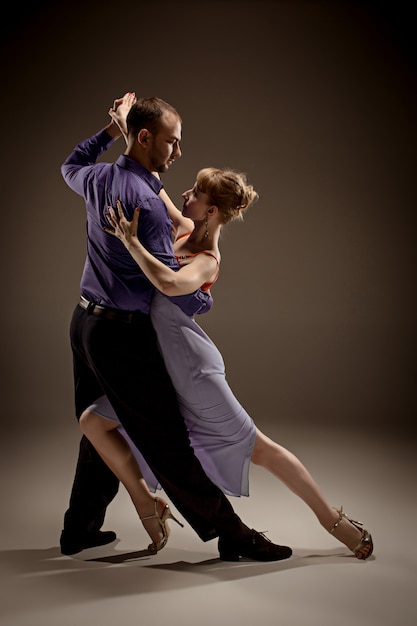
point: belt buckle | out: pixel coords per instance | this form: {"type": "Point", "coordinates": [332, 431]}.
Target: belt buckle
{"type": "Point", "coordinates": [90, 307]}
{"type": "Point", "coordinates": [87, 305]}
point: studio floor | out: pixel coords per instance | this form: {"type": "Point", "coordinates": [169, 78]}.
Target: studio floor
{"type": "Point", "coordinates": [321, 584]}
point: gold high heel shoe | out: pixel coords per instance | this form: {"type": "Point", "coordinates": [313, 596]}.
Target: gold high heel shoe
{"type": "Point", "coordinates": [154, 547]}
{"type": "Point", "coordinates": [365, 546]}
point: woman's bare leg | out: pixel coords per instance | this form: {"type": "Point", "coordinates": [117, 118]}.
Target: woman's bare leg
{"type": "Point", "coordinates": [285, 466]}
{"type": "Point", "coordinates": [117, 454]}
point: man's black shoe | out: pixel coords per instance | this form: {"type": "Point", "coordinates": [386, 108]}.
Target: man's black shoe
{"type": "Point", "coordinates": [71, 545]}
{"type": "Point", "coordinates": [255, 546]}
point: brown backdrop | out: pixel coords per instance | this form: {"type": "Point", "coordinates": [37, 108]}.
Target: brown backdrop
{"type": "Point", "coordinates": [315, 307]}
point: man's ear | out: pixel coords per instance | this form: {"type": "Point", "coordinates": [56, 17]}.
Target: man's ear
{"type": "Point", "coordinates": [143, 136]}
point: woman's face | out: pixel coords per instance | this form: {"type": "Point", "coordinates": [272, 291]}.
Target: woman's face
{"type": "Point", "coordinates": [195, 204]}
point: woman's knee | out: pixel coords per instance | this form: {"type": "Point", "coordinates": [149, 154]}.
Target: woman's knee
{"type": "Point", "coordinates": [258, 453]}
{"type": "Point", "coordinates": [88, 421]}
{"type": "Point", "coordinates": [263, 450]}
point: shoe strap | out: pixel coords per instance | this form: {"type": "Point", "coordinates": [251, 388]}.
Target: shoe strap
{"type": "Point", "coordinates": [155, 515]}
{"type": "Point", "coordinates": [341, 516]}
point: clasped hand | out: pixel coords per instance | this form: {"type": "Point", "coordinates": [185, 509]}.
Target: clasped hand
{"type": "Point", "coordinates": [120, 109]}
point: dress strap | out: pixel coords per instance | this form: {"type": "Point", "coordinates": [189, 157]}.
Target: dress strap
{"type": "Point", "coordinates": [206, 286]}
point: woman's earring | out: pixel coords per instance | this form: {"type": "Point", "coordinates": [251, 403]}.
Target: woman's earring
{"type": "Point", "coordinates": [206, 233]}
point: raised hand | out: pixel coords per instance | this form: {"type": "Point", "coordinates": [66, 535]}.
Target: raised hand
{"type": "Point", "coordinates": [120, 109]}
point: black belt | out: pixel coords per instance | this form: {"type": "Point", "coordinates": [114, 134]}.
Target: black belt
{"type": "Point", "coordinates": [129, 317]}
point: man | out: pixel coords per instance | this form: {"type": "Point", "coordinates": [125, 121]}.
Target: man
{"type": "Point", "coordinates": [114, 345]}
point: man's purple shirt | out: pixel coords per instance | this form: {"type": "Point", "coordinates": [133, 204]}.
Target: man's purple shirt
{"type": "Point", "coordinates": [111, 277]}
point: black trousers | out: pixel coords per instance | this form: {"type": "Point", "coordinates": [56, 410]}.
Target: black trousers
{"type": "Point", "coordinates": [123, 361]}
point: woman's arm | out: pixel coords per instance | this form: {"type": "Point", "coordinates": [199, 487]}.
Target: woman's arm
{"type": "Point", "coordinates": [181, 225]}
{"type": "Point", "coordinates": [119, 111]}
{"type": "Point", "coordinates": [170, 282]}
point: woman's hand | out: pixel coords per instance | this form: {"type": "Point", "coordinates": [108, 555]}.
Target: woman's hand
{"type": "Point", "coordinates": [121, 227]}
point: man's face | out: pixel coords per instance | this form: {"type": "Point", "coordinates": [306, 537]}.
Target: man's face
{"type": "Point", "coordinates": [165, 145]}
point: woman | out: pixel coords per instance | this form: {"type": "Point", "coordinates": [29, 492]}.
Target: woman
{"type": "Point", "coordinates": [223, 435]}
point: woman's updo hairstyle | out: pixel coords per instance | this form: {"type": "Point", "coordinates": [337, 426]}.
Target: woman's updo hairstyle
{"type": "Point", "coordinates": [228, 190]}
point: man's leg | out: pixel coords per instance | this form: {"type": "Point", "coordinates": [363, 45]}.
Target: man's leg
{"type": "Point", "coordinates": [94, 487]}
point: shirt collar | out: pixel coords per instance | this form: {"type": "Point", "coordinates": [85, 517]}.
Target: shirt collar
{"type": "Point", "coordinates": [128, 163]}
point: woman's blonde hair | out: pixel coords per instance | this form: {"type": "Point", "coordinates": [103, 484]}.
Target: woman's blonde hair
{"type": "Point", "coordinates": [228, 190]}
